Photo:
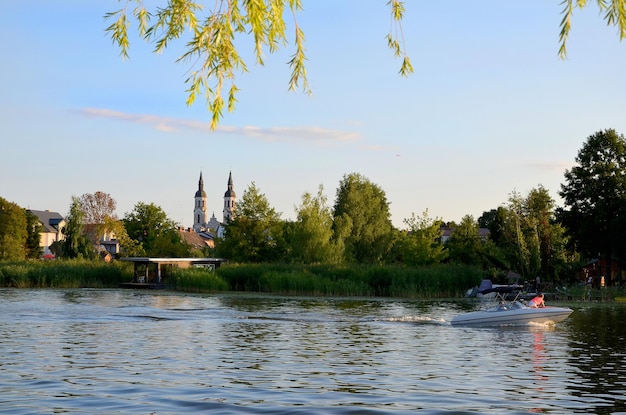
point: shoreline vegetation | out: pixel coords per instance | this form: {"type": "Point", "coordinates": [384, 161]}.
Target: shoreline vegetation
{"type": "Point", "coordinates": [356, 280]}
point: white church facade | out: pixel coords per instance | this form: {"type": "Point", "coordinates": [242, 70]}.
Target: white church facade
{"type": "Point", "coordinates": [211, 226]}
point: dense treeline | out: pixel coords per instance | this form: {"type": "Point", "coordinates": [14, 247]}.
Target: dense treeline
{"type": "Point", "coordinates": [528, 234]}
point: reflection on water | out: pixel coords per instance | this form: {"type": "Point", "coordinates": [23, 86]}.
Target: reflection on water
{"type": "Point", "coordinates": [600, 363]}
{"type": "Point", "coordinates": [126, 352]}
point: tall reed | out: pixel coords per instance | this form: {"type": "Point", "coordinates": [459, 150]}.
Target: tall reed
{"type": "Point", "coordinates": [352, 280]}
{"type": "Point", "coordinates": [295, 279]}
{"type": "Point", "coordinates": [64, 274]}
{"type": "Point", "coordinates": [200, 280]}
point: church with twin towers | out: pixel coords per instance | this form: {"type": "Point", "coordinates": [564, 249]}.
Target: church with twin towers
{"type": "Point", "coordinates": [201, 222]}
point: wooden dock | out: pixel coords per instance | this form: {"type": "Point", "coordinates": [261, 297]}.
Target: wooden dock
{"type": "Point", "coordinates": [156, 273]}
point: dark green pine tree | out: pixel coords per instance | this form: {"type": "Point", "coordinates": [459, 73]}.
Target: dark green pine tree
{"type": "Point", "coordinates": [33, 236]}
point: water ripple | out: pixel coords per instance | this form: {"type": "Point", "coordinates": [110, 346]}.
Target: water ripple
{"type": "Point", "coordinates": [121, 352]}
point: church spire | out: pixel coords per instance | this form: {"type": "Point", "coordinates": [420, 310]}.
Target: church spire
{"type": "Point", "coordinates": [200, 208]}
{"type": "Point", "coordinates": [230, 199]}
{"type": "Point", "coordinates": [200, 192]}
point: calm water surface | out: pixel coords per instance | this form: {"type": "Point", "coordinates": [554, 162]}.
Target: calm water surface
{"type": "Point", "coordinates": [141, 352]}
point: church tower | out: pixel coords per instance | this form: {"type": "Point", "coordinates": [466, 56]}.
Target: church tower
{"type": "Point", "coordinates": [199, 211]}
{"type": "Point", "coordinates": [230, 200]}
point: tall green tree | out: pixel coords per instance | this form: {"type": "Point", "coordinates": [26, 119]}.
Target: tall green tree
{"type": "Point", "coordinates": [33, 236]}
{"type": "Point", "coordinates": [523, 233]}
{"type": "Point", "coordinates": [128, 247]}
{"type": "Point", "coordinates": [464, 245]}
{"type": "Point", "coordinates": [594, 195]}
{"type": "Point", "coordinates": [539, 208]}
{"type": "Point", "coordinates": [516, 235]}
{"type": "Point", "coordinates": [153, 232]}
{"type": "Point", "coordinates": [75, 242]}
{"type": "Point", "coordinates": [361, 213]}
{"type": "Point", "coordinates": [420, 243]}
{"type": "Point", "coordinates": [312, 236]}
{"type": "Point", "coordinates": [12, 231]}
{"type": "Point", "coordinates": [255, 234]}
{"type": "Point", "coordinates": [494, 220]}
{"type": "Point", "coordinates": [213, 37]}
{"type": "Point", "coordinates": [527, 236]}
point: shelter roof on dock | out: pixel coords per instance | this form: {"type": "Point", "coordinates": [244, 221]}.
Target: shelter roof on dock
{"type": "Point", "coordinates": [183, 262]}
{"type": "Point", "coordinates": [155, 272]}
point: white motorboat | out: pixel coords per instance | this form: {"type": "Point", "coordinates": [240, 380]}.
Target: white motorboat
{"type": "Point", "coordinates": [511, 313]}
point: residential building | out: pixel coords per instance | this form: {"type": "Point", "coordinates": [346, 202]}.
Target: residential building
{"type": "Point", "coordinates": [52, 223]}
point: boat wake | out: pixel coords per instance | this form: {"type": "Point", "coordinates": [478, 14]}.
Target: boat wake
{"type": "Point", "coordinates": [419, 320]}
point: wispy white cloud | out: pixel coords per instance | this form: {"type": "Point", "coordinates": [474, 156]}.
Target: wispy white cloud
{"type": "Point", "coordinates": [557, 166]}
{"type": "Point", "coordinates": [381, 148]}
{"type": "Point", "coordinates": [172, 125]}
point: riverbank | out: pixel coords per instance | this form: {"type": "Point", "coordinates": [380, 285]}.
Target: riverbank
{"type": "Point", "coordinates": [293, 279]}
{"type": "Point", "coordinates": [441, 281]}
{"type": "Point", "coordinates": [357, 280]}
{"type": "Point", "coordinates": [74, 273]}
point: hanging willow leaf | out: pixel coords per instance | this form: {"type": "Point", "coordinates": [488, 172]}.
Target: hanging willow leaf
{"type": "Point", "coordinates": [211, 51]}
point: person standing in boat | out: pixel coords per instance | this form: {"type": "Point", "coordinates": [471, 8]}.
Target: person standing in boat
{"type": "Point", "coordinates": [537, 302]}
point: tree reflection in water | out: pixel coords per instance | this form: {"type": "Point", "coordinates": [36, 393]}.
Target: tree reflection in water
{"type": "Point", "coordinates": [598, 351]}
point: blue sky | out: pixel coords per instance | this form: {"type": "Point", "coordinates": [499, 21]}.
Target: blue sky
{"type": "Point", "coordinates": [490, 109]}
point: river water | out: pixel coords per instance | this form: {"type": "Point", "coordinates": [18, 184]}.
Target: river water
{"type": "Point", "coordinates": [154, 352]}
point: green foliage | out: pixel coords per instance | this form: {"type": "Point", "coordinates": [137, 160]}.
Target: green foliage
{"type": "Point", "coordinates": [212, 47]}
{"type": "Point", "coordinates": [421, 243]}
{"type": "Point", "coordinates": [362, 221]}
{"type": "Point", "coordinates": [464, 245]}
{"type": "Point", "coordinates": [312, 234]}
{"type": "Point", "coordinates": [527, 237]}
{"type": "Point", "coordinates": [75, 243]}
{"type": "Point", "coordinates": [153, 233]}
{"type": "Point", "coordinates": [33, 236]}
{"type": "Point", "coordinates": [594, 195]}
{"type": "Point", "coordinates": [548, 235]}
{"type": "Point", "coordinates": [128, 246]}
{"type": "Point", "coordinates": [13, 233]}
{"type": "Point", "coordinates": [614, 13]}
{"type": "Point", "coordinates": [76, 273]}
{"type": "Point", "coordinates": [523, 233]}
{"type": "Point", "coordinates": [255, 234]}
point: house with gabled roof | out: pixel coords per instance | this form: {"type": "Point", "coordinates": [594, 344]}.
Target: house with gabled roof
{"type": "Point", "coordinates": [197, 240]}
{"type": "Point", "coordinates": [52, 223]}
